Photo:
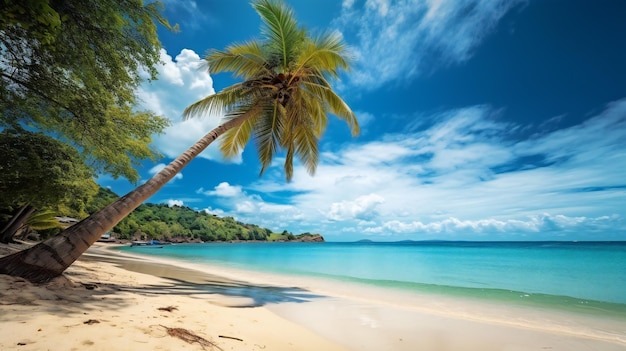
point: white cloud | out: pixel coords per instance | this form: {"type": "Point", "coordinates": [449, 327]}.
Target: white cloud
{"type": "Point", "coordinates": [215, 211]}
{"type": "Point", "coordinates": [182, 81]}
{"type": "Point", "coordinates": [251, 208]}
{"type": "Point", "coordinates": [390, 33]}
{"type": "Point", "coordinates": [169, 69]}
{"type": "Point", "coordinates": [363, 207]}
{"type": "Point", "coordinates": [223, 190]}
{"type": "Point", "coordinates": [172, 203]}
{"type": "Point", "coordinates": [468, 174]}
{"type": "Point", "coordinates": [379, 6]}
{"type": "Point", "coordinates": [534, 224]}
{"type": "Point", "coordinates": [566, 145]}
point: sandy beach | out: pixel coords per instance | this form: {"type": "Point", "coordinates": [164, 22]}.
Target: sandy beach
{"type": "Point", "coordinates": [113, 301]}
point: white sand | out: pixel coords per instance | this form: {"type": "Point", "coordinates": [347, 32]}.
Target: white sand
{"type": "Point", "coordinates": [125, 304]}
{"type": "Point", "coordinates": [267, 313]}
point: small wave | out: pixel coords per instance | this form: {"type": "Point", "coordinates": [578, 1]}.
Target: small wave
{"type": "Point", "coordinates": [558, 302]}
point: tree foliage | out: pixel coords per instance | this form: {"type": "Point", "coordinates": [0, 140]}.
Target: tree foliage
{"type": "Point", "coordinates": [163, 222]}
{"type": "Point", "coordinates": [71, 68]}
{"type": "Point", "coordinates": [159, 221]}
{"type": "Point", "coordinates": [38, 170]}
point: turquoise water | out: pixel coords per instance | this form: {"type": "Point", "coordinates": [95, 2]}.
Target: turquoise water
{"type": "Point", "coordinates": [581, 276]}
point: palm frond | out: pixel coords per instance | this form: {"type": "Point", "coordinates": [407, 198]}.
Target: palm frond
{"type": "Point", "coordinates": [288, 166]}
{"type": "Point", "coordinates": [280, 29]}
{"type": "Point", "coordinates": [235, 139]}
{"type": "Point", "coordinates": [336, 105]}
{"type": "Point", "coordinates": [300, 140]}
{"type": "Point", "coordinates": [305, 121]}
{"type": "Point", "coordinates": [268, 130]}
{"type": "Point", "coordinates": [244, 60]}
{"type": "Point", "coordinates": [306, 142]}
{"type": "Point", "coordinates": [42, 220]}
{"type": "Point", "coordinates": [327, 53]}
{"type": "Point", "coordinates": [315, 109]}
{"type": "Point", "coordinates": [219, 103]}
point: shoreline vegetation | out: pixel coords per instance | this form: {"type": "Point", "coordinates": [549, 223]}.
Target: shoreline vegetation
{"type": "Point", "coordinates": [114, 300]}
{"type": "Point", "coordinates": [176, 224]}
{"type": "Point", "coordinates": [279, 238]}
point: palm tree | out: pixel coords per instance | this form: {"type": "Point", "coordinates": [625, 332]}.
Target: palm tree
{"type": "Point", "coordinates": [283, 103]}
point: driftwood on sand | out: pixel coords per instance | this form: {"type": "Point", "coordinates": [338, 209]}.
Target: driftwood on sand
{"type": "Point", "coordinates": [168, 308]}
{"type": "Point", "coordinates": [190, 337]}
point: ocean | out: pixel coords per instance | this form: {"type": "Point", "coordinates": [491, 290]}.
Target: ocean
{"type": "Point", "coordinates": [584, 277]}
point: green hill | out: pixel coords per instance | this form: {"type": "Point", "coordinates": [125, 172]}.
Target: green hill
{"type": "Point", "coordinates": [159, 221]}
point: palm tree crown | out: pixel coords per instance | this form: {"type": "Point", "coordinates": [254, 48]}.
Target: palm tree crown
{"type": "Point", "coordinates": [285, 94]}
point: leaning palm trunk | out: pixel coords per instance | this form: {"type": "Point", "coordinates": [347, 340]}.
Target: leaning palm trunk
{"type": "Point", "coordinates": [51, 257]}
{"type": "Point", "coordinates": [283, 102]}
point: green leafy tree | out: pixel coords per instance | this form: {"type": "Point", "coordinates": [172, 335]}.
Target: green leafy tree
{"type": "Point", "coordinates": [178, 222]}
{"type": "Point", "coordinates": [126, 228]}
{"type": "Point", "coordinates": [177, 229]}
{"type": "Point", "coordinates": [37, 172]}
{"type": "Point", "coordinates": [101, 199]}
{"type": "Point", "coordinates": [71, 68]}
{"type": "Point", "coordinates": [283, 101]}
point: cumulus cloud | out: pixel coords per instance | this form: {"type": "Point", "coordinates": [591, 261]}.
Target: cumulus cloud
{"type": "Point", "coordinates": [186, 75]}
{"type": "Point", "coordinates": [215, 211]}
{"type": "Point", "coordinates": [172, 203]}
{"type": "Point", "coordinates": [389, 34]}
{"type": "Point", "coordinates": [223, 190]}
{"type": "Point", "coordinates": [182, 81]}
{"type": "Point", "coordinates": [251, 208]}
{"type": "Point", "coordinates": [169, 70]}
{"type": "Point", "coordinates": [363, 207]}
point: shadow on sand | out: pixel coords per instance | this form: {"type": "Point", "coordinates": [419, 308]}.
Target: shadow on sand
{"type": "Point", "coordinates": [184, 281]}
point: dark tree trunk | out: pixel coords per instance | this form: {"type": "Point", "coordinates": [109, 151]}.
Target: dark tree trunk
{"type": "Point", "coordinates": [16, 222]}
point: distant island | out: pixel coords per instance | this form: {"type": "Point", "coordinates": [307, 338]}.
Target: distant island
{"type": "Point", "coordinates": [181, 224]}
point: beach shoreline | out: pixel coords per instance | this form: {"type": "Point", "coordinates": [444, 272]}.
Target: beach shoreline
{"type": "Point", "coordinates": [271, 312]}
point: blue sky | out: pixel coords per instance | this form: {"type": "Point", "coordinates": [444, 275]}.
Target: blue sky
{"type": "Point", "coordinates": [481, 120]}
